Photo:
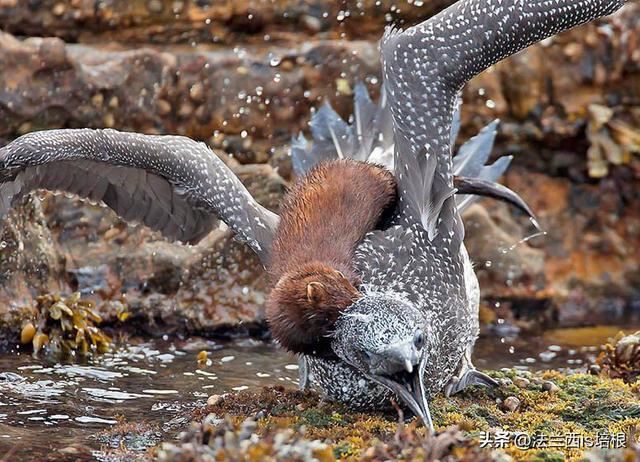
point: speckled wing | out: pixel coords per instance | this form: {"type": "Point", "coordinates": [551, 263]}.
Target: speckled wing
{"type": "Point", "coordinates": [425, 67]}
{"type": "Point", "coordinates": [170, 183]}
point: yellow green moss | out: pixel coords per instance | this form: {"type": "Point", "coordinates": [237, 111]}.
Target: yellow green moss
{"type": "Point", "coordinates": [582, 405]}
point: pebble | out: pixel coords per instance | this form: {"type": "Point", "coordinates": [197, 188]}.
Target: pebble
{"type": "Point", "coordinates": [59, 9]}
{"type": "Point", "coordinates": [164, 107]}
{"type": "Point", "coordinates": [510, 404]}
{"type": "Point", "coordinates": [109, 120]}
{"type": "Point", "coordinates": [547, 356]}
{"type": "Point", "coordinates": [178, 7]}
{"type": "Point", "coordinates": [312, 23]}
{"type": "Point", "coordinates": [521, 382]}
{"type": "Point", "coordinates": [196, 92]}
{"type": "Point", "coordinates": [155, 6]}
{"type": "Point", "coordinates": [550, 387]}
{"type": "Point", "coordinates": [10, 377]}
{"type": "Point", "coordinates": [213, 400]}
{"type": "Point", "coordinates": [185, 110]}
{"type": "Point", "coordinates": [97, 101]}
{"type": "Point", "coordinates": [213, 420]}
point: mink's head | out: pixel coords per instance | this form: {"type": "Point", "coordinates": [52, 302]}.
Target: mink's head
{"type": "Point", "coordinates": [305, 304]}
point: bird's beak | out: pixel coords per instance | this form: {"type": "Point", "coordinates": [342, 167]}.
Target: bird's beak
{"type": "Point", "coordinates": [409, 386]}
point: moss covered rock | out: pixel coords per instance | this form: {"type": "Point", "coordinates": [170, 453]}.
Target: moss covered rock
{"type": "Point", "coordinates": [558, 417]}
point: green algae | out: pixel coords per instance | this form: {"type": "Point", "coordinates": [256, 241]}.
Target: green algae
{"type": "Point", "coordinates": [550, 405]}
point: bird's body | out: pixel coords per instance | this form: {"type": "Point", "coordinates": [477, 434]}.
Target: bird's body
{"type": "Point", "coordinates": [411, 331]}
{"type": "Point", "coordinates": [418, 273]}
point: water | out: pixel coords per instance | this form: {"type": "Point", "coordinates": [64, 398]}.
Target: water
{"type": "Point", "coordinates": [47, 405]}
{"type": "Point", "coordinates": [157, 383]}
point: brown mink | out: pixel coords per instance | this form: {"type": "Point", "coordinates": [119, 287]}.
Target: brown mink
{"type": "Point", "coordinates": [322, 220]}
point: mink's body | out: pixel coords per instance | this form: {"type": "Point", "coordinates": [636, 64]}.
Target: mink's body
{"type": "Point", "coordinates": [322, 220]}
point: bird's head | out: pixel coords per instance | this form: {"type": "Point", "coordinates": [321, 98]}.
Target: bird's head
{"type": "Point", "coordinates": [383, 336]}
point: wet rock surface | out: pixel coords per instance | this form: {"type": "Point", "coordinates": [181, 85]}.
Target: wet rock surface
{"type": "Point", "coordinates": [217, 21]}
{"type": "Point", "coordinates": [569, 106]}
{"type": "Point", "coordinates": [31, 264]}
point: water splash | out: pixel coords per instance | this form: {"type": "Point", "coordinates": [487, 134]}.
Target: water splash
{"type": "Point", "coordinates": [524, 240]}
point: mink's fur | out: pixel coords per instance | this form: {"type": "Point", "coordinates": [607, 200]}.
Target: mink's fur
{"type": "Point", "coordinates": [322, 220]}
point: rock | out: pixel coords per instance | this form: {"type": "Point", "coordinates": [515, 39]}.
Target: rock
{"type": "Point", "coordinates": [510, 404]}
{"type": "Point", "coordinates": [173, 91]}
{"type": "Point", "coordinates": [587, 279]}
{"type": "Point", "coordinates": [378, 436]}
{"type": "Point", "coordinates": [269, 93]}
{"type": "Point", "coordinates": [30, 263]}
{"type": "Point", "coordinates": [249, 102]}
{"type": "Point", "coordinates": [220, 21]}
{"type": "Point", "coordinates": [550, 387]}
{"type": "Point", "coordinates": [213, 400]}
{"type": "Point", "coordinates": [521, 382]}
{"type": "Point", "coordinates": [63, 245]}
{"type": "Point", "coordinates": [494, 246]}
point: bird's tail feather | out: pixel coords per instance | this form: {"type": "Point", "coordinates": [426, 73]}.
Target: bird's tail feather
{"type": "Point", "coordinates": [369, 138]}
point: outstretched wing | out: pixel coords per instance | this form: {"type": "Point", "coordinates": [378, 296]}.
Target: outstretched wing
{"type": "Point", "coordinates": [424, 69]}
{"type": "Point", "coordinates": [170, 183]}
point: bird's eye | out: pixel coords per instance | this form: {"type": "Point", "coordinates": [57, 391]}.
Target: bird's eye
{"type": "Point", "coordinates": [366, 355]}
{"type": "Point", "coordinates": [418, 339]}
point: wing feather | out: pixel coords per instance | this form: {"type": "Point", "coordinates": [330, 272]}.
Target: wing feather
{"type": "Point", "coordinates": [172, 184]}
{"type": "Point", "coordinates": [425, 67]}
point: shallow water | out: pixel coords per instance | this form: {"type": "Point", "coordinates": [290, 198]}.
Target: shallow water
{"type": "Point", "coordinates": [46, 405]}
